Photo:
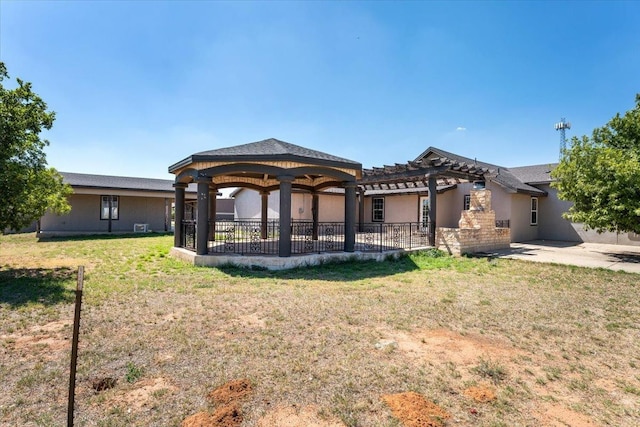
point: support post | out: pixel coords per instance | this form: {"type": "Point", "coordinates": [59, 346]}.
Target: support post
{"type": "Point", "coordinates": [284, 242]}
{"type": "Point", "coordinates": [349, 216]}
{"type": "Point", "coordinates": [74, 347]}
{"type": "Point", "coordinates": [315, 203]}
{"type": "Point", "coordinates": [264, 212]}
{"type": "Point", "coordinates": [361, 210]}
{"type": "Point", "coordinates": [202, 221]}
{"type": "Point", "coordinates": [213, 195]}
{"type": "Point", "coordinates": [432, 210]}
{"type": "Point", "coordinates": [179, 214]}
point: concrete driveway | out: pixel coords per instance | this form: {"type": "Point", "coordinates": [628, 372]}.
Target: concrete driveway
{"type": "Point", "coordinates": [595, 255]}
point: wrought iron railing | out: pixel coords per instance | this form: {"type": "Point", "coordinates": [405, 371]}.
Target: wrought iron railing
{"type": "Point", "coordinates": [252, 237]}
{"type": "Point", "coordinates": [503, 223]}
{"type": "Point", "coordinates": [189, 235]}
{"type": "Point", "coordinates": [245, 237]}
{"type": "Point", "coordinates": [380, 237]}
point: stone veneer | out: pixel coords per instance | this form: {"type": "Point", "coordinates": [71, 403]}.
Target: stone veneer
{"type": "Point", "coordinates": [477, 230]}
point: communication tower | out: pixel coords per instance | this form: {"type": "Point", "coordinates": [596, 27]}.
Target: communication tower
{"type": "Point", "coordinates": [562, 126]}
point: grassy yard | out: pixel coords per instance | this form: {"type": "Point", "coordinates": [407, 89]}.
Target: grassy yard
{"type": "Point", "coordinates": [546, 345]}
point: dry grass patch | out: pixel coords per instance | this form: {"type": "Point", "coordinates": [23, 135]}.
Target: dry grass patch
{"type": "Point", "coordinates": [554, 343]}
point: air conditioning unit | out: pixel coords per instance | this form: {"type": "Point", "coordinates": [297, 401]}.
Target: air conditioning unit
{"type": "Point", "coordinates": [140, 228]}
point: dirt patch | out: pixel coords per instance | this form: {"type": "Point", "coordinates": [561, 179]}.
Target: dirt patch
{"type": "Point", "coordinates": [228, 414]}
{"type": "Point", "coordinates": [413, 410]}
{"type": "Point", "coordinates": [442, 344]}
{"type": "Point", "coordinates": [40, 340]}
{"type": "Point", "coordinates": [231, 392]}
{"type": "Point", "coordinates": [481, 394]}
{"type": "Point", "coordinates": [559, 416]}
{"type": "Point", "coordinates": [143, 394]}
{"type": "Point", "coordinates": [201, 419]}
{"type": "Point", "coordinates": [292, 416]}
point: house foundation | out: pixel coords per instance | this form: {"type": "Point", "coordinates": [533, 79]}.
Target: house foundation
{"type": "Point", "coordinates": [477, 230]}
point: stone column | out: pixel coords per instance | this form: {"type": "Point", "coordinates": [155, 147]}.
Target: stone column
{"type": "Point", "coordinates": [202, 222]}
{"type": "Point", "coordinates": [432, 210]}
{"type": "Point", "coordinates": [213, 193]}
{"type": "Point", "coordinates": [284, 243]}
{"type": "Point", "coordinates": [264, 212]}
{"type": "Point", "coordinates": [349, 216]}
{"type": "Point", "coordinates": [315, 203]}
{"type": "Point", "coordinates": [179, 217]}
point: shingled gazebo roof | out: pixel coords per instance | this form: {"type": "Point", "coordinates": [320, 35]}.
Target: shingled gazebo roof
{"type": "Point", "coordinates": [261, 165]}
{"type": "Point", "coordinates": [267, 150]}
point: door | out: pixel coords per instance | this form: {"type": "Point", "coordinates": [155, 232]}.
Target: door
{"type": "Point", "coordinates": [424, 213]}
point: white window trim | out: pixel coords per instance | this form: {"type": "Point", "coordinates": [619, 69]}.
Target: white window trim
{"type": "Point", "coordinates": [373, 209]}
{"type": "Point", "coordinates": [534, 211]}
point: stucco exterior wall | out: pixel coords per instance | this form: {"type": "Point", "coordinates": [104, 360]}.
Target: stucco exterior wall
{"type": "Point", "coordinates": [520, 218]}
{"type": "Point", "coordinates": [85, 215]}
{"type": "Point", "coordinates": [331, 206]}
{"type": "Point", "coordinates": [248, 204]}
{"type": "Point", "coordinates": [554, 227]}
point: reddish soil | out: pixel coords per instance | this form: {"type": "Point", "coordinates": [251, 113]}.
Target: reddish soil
{"type": "Point", "coordinates": [227, 416]}
{"type": "Point", "coordinates": [413, 410]}
{"type": "Point", "coordinates": [201, 419]}
{"type": "Point", "coordinates": [227, 398]}
{"type": "Point", "coordinates": [481, 394]}
{"type": "Point", "coordinates": [230, 392]}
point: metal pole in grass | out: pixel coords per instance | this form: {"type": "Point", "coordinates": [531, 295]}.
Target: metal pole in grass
{"type": "Point", "coordinates": [74, 347]}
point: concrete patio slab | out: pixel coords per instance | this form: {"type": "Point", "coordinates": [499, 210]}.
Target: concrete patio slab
{"type": "Point", "coordinates": [594, 255]}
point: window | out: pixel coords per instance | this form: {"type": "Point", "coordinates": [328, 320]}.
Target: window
{"type": "Point", "coordinates": [109, 207]}
{"type": "Point", "coordinates": [534, 211]}
{"type": "Point", "coordinates": [466, 204]}
{"type": "Point", "coordinates": [377, 206]}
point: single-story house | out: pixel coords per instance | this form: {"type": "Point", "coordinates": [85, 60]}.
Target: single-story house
{"type": "Point", "coordinates": [522, 198]}
{"type": "Point", "coordinates": [117, 204]}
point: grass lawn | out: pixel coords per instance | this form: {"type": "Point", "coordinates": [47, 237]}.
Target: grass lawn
{"type": "Point", "coordinates": [489, 343]}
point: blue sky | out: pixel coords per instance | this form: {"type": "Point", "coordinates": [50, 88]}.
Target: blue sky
{"type": "Point", "coordinates": [138, 86]}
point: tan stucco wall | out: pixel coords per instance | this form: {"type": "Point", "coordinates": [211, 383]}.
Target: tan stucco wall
{"type": "Point", "coordinates": [554, 227]}
{"type": "Point", "coordinates": [85, 215]}
{"type": "Point", "coordinates": [331, 206]}
{"type": "Point", "coordinates": [521, 228]}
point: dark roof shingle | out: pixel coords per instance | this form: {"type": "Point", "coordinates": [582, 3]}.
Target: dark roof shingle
{"type": "Point", "coordinates": [268, 149]}
{"type": "Point", "coordinates": [501, 175]}
{"type": "Point", "coordinates": [117, 182]}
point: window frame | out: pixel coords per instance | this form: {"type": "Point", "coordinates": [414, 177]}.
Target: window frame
{"type": "Point", "coordinates": [535, 209]}
{"type": "Point", "coordinates": [466, 202]}
{"type": "Point", "coordinates": [110, 207]}
{"type": "Point", "coordinates": [378, 210]}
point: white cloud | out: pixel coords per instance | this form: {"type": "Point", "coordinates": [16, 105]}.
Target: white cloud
{"type": "Point", "coordinates": [461, 129]}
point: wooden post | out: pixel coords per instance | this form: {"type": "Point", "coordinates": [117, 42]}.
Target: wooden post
{"type": "Point", "coordinates": [74, 347]}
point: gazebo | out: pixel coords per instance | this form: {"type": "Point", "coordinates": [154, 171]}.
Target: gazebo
{"type": "Point", "coordinates": [264, 166]}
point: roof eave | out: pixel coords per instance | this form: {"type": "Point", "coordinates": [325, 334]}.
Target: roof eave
{"type": "Point", "coordinates": [266, 157]}
{"type": "Point", "coordinates": [181, 164]}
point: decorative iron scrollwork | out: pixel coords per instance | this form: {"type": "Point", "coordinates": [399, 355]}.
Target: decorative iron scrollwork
{"type": "Point", "coordinates": [369, 238]}
{"type": "Point", "coordinates": [330, 237]}
{"type": "Point", "coordinates": [256, 236]}
{"type": "Point", "coordinates": [308, 239]}
{"type": "Point", "coordinates": [230, 239]}
{"type": "Point", "coordinates": [395, 236]}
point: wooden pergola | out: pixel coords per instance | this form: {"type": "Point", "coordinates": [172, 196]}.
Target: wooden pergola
{"type": "Point", "coordinates": [428, 173]}
{"type": "Point", "coordinates": [264, 166]}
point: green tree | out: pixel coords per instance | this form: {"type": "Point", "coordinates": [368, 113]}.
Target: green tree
{"type": "Point", "coordinates": [27, 186]}
{"type": "Point", "coordinates": [601, 175]}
